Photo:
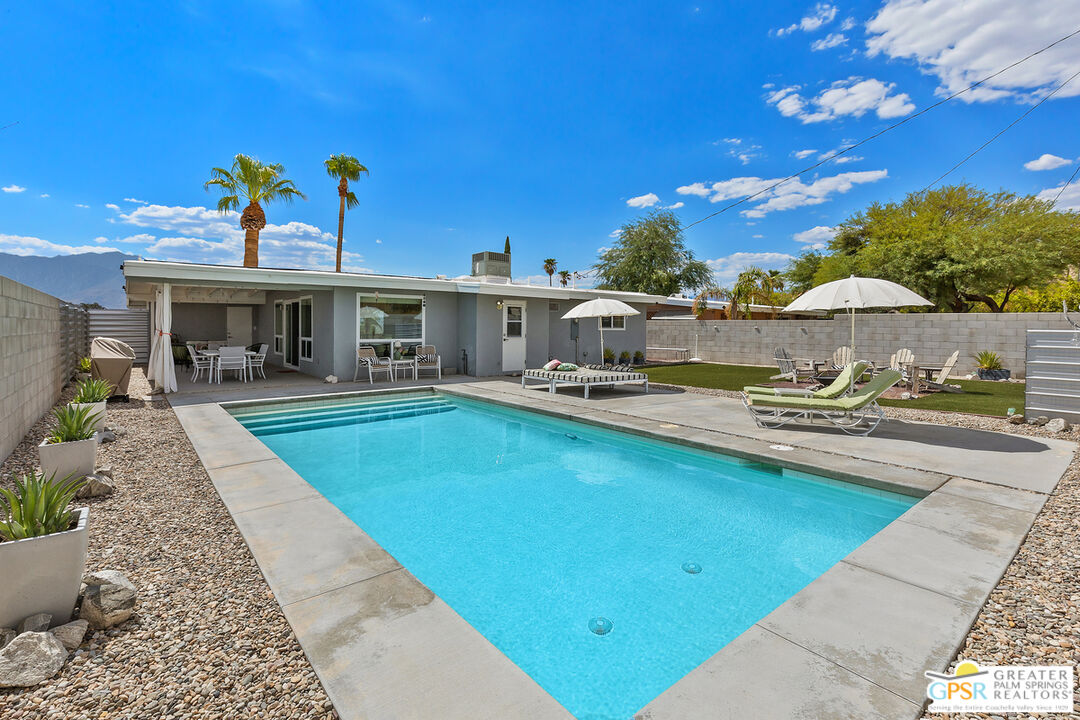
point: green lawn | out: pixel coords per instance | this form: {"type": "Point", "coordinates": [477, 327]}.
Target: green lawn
{"type": "Point", "coordinates": [985, 398]}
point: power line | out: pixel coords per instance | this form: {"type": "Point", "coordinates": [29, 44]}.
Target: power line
{"type": "Point", "coordinates": [837, 153]}
{"type": "Point", "coordinates": [1071, 178]}
{"type": "Point", "coordinates": [1000, 133]}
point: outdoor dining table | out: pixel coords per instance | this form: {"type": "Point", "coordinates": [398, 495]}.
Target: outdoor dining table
{"type": "Point", "coordinates": [213, 355]}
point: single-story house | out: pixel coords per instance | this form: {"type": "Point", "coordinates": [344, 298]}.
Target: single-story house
{"type": "Point", "coordinates": [313, 321]}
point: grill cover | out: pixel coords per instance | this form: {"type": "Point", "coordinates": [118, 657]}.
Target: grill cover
{"type": "Point", "coordinates": [111, 360]}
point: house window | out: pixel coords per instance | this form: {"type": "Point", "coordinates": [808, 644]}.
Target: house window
{"type": "Point", "coordinates": [617, 322]}
{"type": "Point", "coordinates": [279, 327]}
{"type": "Point", "coordinates": [306, 331]}
{"type": "Point", "coordinates": [392, 324]}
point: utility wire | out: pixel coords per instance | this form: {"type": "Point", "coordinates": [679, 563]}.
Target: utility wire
{"type": "Point", "coordinates": [895, 125]}
{"type": "Point", "coordinates": [1000, 133]}
{"type": "Point", "coordinates": [1073, 177]}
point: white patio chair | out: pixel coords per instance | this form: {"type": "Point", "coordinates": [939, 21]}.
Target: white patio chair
{"type": "Point", "coordinates": [199, 362]}
{"type": "Point", "coordinates": [428, 359]}
{"type": "Point", "coordinates": [255, 362]}
{"type": "Point", "coordinates": [792, 369]}
{"type": "Point", "coordinates": [232, 358]}
{"type": "Point", "coordinates": [365, 355]}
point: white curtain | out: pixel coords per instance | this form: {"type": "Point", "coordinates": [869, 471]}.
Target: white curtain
{"type": "Point", "coordinates": [161, 372]}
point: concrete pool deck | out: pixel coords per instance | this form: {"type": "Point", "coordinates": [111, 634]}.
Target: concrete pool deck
{"type": "Point", "coordinates": [853, 643]}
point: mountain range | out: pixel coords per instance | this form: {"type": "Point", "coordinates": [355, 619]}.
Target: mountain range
{"type": "Point", "coordinates": [80, 278]}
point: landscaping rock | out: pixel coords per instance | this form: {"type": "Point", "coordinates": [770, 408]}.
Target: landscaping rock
{"type": "Point", "coordinates": [1016, 419]}
{"type": "Point", "coordinates": [96, 485]}
{"type": "Point", "coordinates": [71, 635]}
{"type": "Point", "coordinates": [31, 658]}
{"type": "Point", "coordinates": [1057, 425]}
{"type": "Point", "coordinates": [109, 599]}
{"type": "Point", "coordinates": [34, 623]}
{"type": "Point", "coordinates": [105, 470]}
{"type": "Point", "coordinates": [6, 636]}
{"type": "Point", "coordinates": [107, 436]}
{"type": "Point", "coordinates": [1039, 421]}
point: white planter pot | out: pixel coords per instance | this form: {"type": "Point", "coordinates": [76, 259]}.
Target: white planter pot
{"type": "Point", "coordinates": [70, 458]}
{"type": "Point", "coordinates": [43, 574]}
{"type": "Point", "coordinates": [98, 408]}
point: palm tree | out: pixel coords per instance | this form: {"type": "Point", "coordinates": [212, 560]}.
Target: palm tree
{"type": "Point", "coordinates": [549, 267]}
{"type": "Point", "coordinates": [345, 168]}
{"type": "Point", "coordinates": [257, 183]}
{"type": "Point", "coordinates": [564, 277]}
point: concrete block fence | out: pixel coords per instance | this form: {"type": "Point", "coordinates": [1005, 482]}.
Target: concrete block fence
{"type": "Point", "coordinates": [41, 337]}
{"type": "Point", "coordinates": [932, 337]}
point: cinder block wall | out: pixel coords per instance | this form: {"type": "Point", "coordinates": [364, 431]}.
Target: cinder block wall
{"type": "Point", "coordinates": [32, 359]}
{"type": "Point", "coordinates": [931, 336]}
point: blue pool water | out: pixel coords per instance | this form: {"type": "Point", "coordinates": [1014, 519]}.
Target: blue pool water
{"type": "Point", "coordinates": [537, 530]}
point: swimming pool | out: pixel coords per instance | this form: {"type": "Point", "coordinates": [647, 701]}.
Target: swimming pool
{"type": "Point", "coordinates": [533, 529]}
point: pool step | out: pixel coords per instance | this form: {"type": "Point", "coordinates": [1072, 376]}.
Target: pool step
{"type": "Point", "coordinates": [253, 415]}
{"type": "Point", "coordinates": [299, 423]}
{"type": "Point", "coordinates": [252, 422]}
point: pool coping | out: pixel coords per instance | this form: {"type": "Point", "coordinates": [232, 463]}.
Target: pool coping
{"type": "Point", "coordinates": [852, 643]}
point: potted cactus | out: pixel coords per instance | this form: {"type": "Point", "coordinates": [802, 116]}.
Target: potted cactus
{"type": "Point", "coordinates": [42, 548]}
{"type": "Point", "coordinates": [988, 366]}
{"type": "Point", "coordinates": [93, 394]}
{"type": "Point", "coordinates": [70, 449]}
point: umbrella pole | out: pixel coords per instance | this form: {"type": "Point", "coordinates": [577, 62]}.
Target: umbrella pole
{"type": "Point", "coordinates": [600, 327]}
{"type": "Point", "coordinates": [851, 312]}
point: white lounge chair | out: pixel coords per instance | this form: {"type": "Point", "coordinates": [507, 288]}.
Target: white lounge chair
{"type": "Point", "coordinates": [588, 375]}
{"type": "Point", "coordinates": [855, 414]}
{"type": "Point", "coordinates": [366, 356]}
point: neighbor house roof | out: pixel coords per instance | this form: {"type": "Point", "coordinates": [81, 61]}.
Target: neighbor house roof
{"type": "Point", "coordinates": [142, 275]}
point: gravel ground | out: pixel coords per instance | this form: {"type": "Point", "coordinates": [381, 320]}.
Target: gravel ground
{"type": "Point", "coordinates": [208, 639]}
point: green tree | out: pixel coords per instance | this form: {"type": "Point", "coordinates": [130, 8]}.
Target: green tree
{"type": "Point", "coordinates": [506, 245]}
{"type": "Point", "coordinates": [651, 257]}
{"type": "Point", "coordinates": [550, 265]}
{"type": "Point", "coordinates": [345, 168]}
{"type": "Point", "coordinates": [258, 184]}
{"type": "Point", "coordinates": [957, 245]}
{"type": "Point", "coordinates": [564, 277]}
{"type": "Point", "coordinates": [799, 273]}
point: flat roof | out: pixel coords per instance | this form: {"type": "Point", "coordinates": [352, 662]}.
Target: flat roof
{"type": "Point", "coordinates": [179, 273]}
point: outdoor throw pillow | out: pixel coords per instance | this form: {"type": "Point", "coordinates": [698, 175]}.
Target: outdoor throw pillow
{"type": "Point", "coordinates": [552, 364]}
{"type": "Point", "coordinates": [567, 367]}
{"type": "Point", "coordinates": [425, 359]}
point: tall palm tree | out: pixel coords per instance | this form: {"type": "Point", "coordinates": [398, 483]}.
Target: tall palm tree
{"type": "Point", "coordinates": [258, 183]}
{"type": "Point", "coordinates": [549, 267]}
{"type": "Point", "coordinates": [564, 277]}
{"type": "Point", "coordinates": [345, 168]}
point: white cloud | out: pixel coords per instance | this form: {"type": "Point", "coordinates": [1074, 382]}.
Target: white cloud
{"type": "Point", "coordinates": [726, 269]}
{"type": "Point", "coordinates": [13, 189]}
{"type": "Point", "coordinates": [829, 41]}
{"type": "Point", "coordinates": [963, 42]}
{"type": "Point", "coordinates": [203, 235]}
{"type": "Point", "coordinates": [1069, 200]}
{"type": "Point", "coordinates": [744, 153]}
{"type": "Point", "coordinates": [854, 96]}
{"type": "Point", "coordinates": [822, 14]}
{"type": "Point", "coordinates": [44, 195]}
{"type": "Point", "coordinates": [80, 205]}
{"type": "Point", "coordinates": [1046, 161]}
{"type": "Point", "coordinates": [803, 154]}
{"type": "Point", "coordinates": [787, 196]}
{"type": "Point", "coordinates": [615, 233]}
{"type": "Point", "coordinates": [24, 245]}
{"type": "Point", "coordinates": [111, 206]}
{"type": "Point", "coordinates": [378, 241]}
{"type": "Point", "coordinates": [815, 237]}
{"type": "Point", "coordinates": [758, 237]}
{"type": "Point", "coordinates": [674, 206]}
{"type": "Point", "coordinates": [136, 201]}
{"type": "Point", "coordinates": [848, 23]}
{"type": "Point", "coordinates": [643, 201]}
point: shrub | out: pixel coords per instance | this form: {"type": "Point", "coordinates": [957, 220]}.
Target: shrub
{"type": "Point", "coordinates": [39, 506]}
{"type": "Point", "coordinates": [639, 357]}
{"type": "Point", "coordinates": [84, 364]}
{"type": "Point", "coordinates": [609, 355]}
{"type": "Point", "coordinates": [92, 391]}
{"type": "Point", "coordinates": [72, 424]}
{"type": "Point", "coordinates": [987, 360]}
{"type": "Point", "coordinates": [624, 357]}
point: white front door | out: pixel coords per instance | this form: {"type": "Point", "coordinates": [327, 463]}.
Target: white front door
{"type": "Point", "coordinates": [513, 359]}
{"type": "Point", "coordinates": [238, 324]}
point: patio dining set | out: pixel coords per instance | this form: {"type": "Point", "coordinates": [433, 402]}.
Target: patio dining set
{"type": "Point", "coordinates": [215, 360]}
{"type": "Point", "coordinates": [915, 375]}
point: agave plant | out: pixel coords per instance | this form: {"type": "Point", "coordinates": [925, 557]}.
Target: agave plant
{"type": "Point", "coordinates": [84, 364]}
{"type": "Point", "coordinates": [987, 360]}
{"type": "Point", "coordinates": [39, 506]}
{"type": "Point", "coordinates": [72, 424]}
{"type": "Point", "coordinates": [92, 391]}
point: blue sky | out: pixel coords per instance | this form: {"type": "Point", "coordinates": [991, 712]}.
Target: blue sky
{"type": "Point", "coordinates": [551, 123]}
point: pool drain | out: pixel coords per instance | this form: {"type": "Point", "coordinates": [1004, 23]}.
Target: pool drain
{"type": "Point", "coordinates": [600, 625]}
{"type": "Point", "coordinates": [692, 568]}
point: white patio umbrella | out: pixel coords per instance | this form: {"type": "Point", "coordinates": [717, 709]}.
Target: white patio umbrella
{"type": "Point", "coordinates": [161, 371]}
{"type": "Point", "coordinates": [853, 293]}
{"type": "Point", "coordinates": [600, 308]}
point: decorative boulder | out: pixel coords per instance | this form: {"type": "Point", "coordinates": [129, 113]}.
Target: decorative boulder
{"type": "Point", "coordinates": [109, 599]}
{"type": "Point", "coordinates": [1016, 419]}
{"type": "Point", "coordinates": [96, 485]}
{"type": "Point", "coordinates": [1038, 421]}
{"type": "Point", "coordinates": [105, 470]}
{"type": "Point", "coordinates": [71, 635]}
{"type": "Point", "coordinates": [31, 658]}
{"type": "Point", "coordinates": [1057, 425]}
{"type": "Point", "coordinates": [6, 636]}
{"type": "Point", "coordinates": [34, 623]}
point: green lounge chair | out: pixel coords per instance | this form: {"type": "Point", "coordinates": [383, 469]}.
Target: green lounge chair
{"type": "Point", "coordinates": [841, 385]}
{"type": "Point", "coordinates": [855, 414]}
